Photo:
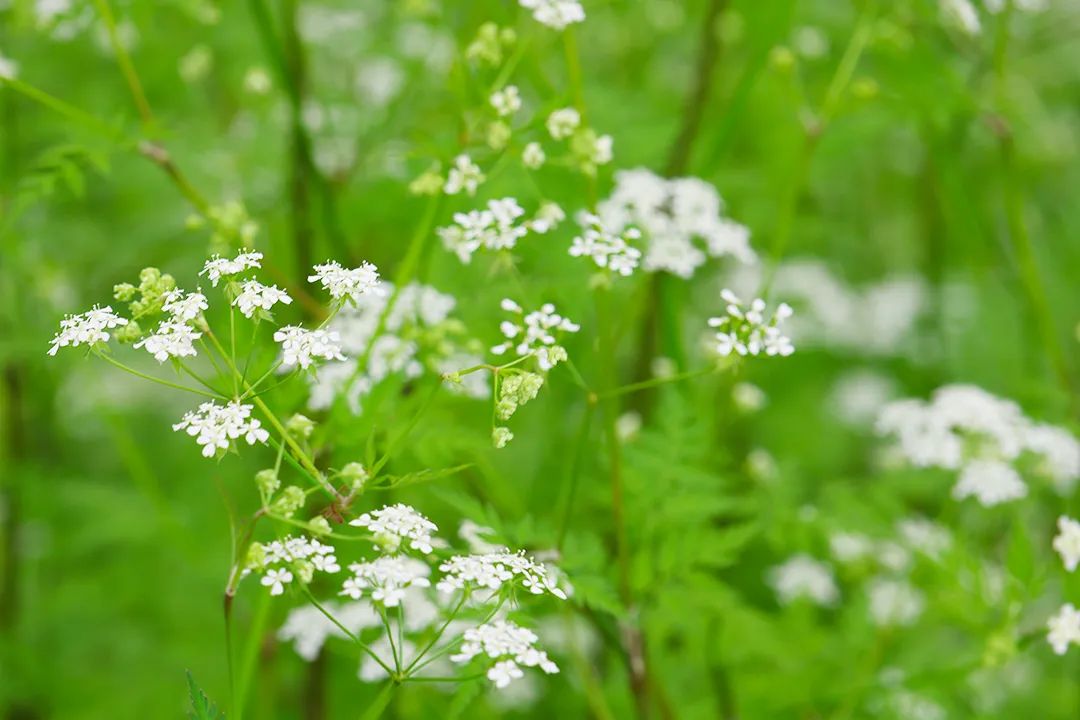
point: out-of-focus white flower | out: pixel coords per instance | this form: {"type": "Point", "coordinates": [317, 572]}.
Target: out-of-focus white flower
{"type": "Point", "coordinates": [464, 175]}
{"type": "Point", "coordinates": [561, 124]}
{"type": "Point", "coordinates": [746, 331]}
{"type": "Point", "coordinates": [215, 427]}
{"type": "Point", "coordinates": [859, 395]}
{"type": "Point", "coordinates": [254, 296]}
{"type": "Point", "coordinates": [9, 69]}
{"type": "Point", "coordinates": [847, 547]}
{"type": "Point", "coordinates": [556, 14]}
{"type": "Point", "coordinates": [1064, 629]}
{"type": "Point", "coordinates": [990, 482]}
{"type": "Point", "coordinates": [89, 328]}
{"type": "Point", "coordinates": [801, 576]}
{"type": "Point", "coordinates": [1067, 542]}
{"type": "Point", "coordinates": [218, 267]}
{"type": "Point", "coordinates": [894, 602]}
{"type": "Point", "coordinates": [628, 426]}
{"type": "Point", "coordinates": [302, 347]}
{"type": "Point", "coordinates": [962, 14]}
{"type": "Point", "coordinates": [748, 397]}
{"type": "Point", "coordinates": [308, 628]}
{"type": "Point", "coordinates": [492, 571]}
{"type": "Point", "coordinates": [533, 156]}
{"type": "Point", "coordinates": [535, 334]}
{"type": "Point", "coordinates": [474, 536]}
{"type": "Point", "coordinates": [394, 525]}
{"type": "Point", "coordinates": [606, 248]}
{"type": "Point", "coordinates": [1059, 454]}
{"type": "Point", "coordinates": [257, 81]}
{"type": "Point", "coordinates": [925, 536]}
{"type": "Point", "coordinates": [347, 283]}
{"type": "Point", "coordinates": [385, 579]}
{"type": "Point", "coordinates": [171, 340]}
{"type": "Point", "coordinates": [509, 645]}
{"type": "Point", "coordinates": [507, 101]}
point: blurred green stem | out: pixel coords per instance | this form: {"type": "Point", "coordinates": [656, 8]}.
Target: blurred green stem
{"type": "Point", "coordinates": [176, 386]}
{"type": "Point", "coordinates": [124, 61]}
{"type": "Point", "coordinates": [378, 705]}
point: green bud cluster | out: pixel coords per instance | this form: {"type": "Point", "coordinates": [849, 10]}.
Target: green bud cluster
{"type": "Point", "coordinates": [516, 390]}
{"type": "Point", "coordinates": [292, 499]}
{"type": "Point", "coordinates": [490, 44]}
{"type": "Point", "coordinates": [500, 436]}
{"type": "Point", "coordinates": [146, 298]}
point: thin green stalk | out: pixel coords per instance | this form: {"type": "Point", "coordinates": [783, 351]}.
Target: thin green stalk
{"type": "Point", "coordinates": [251, 653]}
{"type": "Point", "coordinates": [394, 649]}
{"type": "Point", "coordinates": [151, 378]}
{"type": "Point", "coordinates": [375, 710]}
{"type": "Point", "coordinates": [655, 382]}
{"type": "Point", "coordinates": [124, 61]}
{"type": "Point", "coordinates": [438, 634]}
{"type": "Point", "coordinates": [573, 474]}
{"type": "Point", "coordinates": [348, 633]}
{"type": "Point", "coordinates": [85, 119]}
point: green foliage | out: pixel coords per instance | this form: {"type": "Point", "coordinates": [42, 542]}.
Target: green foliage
{"type": "Point", "coordinates": [201, 707]}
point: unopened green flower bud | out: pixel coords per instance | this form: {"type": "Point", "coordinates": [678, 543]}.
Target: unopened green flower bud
{"type": "Point", "coordinates": [292, 499]}
{"type": "Point", "coordinates": [319, 526]}
{"type": "Point", "coordinates": [355, 474]}
{"type": "Point", "coordinates": [429, 183]}
{"type": "Point", "coordinates": [300, 426]}
{"type": "Point", "coordinates": [782, 58]}
{"type": "Point", "coordinates": [256, 556]}
{"type": "Point", "coordinates": [268, 482]}
{"type": "Point", "coordinates": [305, 570]}
{"type": "Point", "coordinates": [498, 135]}
{"type": "Point", "coordinates": [500, 436]}
{"type": "Point", "coordinates": [124, 292]}
{"type": "Point", "coordinates": [128, 333]}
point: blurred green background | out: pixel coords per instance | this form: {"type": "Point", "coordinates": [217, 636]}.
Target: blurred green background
{"type": "Point", "coordinates": [949, 155]}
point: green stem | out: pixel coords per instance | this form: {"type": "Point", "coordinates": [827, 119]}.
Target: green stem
{"type": "Point", "coordinates": [124, 61]}
{"type": "Point", "coordinates": [151, 378]}
{"type": "Point", "coordinates": [654, 382]}
{"type": "Point", "coordinates": [574, 473]}
{"type": "Point", "coordinates": [375, 710]}
{"type": "Point", "coordinates": [438, 634]}
{"type": "Point", "coordinates": [60, 107]}
{"type": "Point", "coordinates": [348, 633]}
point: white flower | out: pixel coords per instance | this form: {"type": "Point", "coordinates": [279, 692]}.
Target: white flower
{"type": "Point", "coordinates": [172, 339]}
{"type": "Point", "coordinates": [801, 576]}
{"type": "Point", "coordinates": [301, 347]}
{"type": "Point", "coordinates": [547, 218]}
{"type": "Point", "coordinates": [1060, 454]}
{"type": "Point", "coordinates": [849, 547]}
{"type": "Point", "coordinates": [9, 69]}
{"type": "Point", "coordinates": [606, 248]}
{"type": "Point", "coordinates": [494, 228]}
{"type": "Point", "coordinates": [276, 580]}
{"type": "Point", "coordinates": [394, 524]}
{"type": "Point", "coordinates": [464, 175]}
{"type": "Point", "coordinates": [344, 283]}
{"type": "Point", "coordinates": [894, 602]}
{"type": "Point", "coordinates": [991, 482]}
{"type": "Point", "coordinates": [214, 426]}
{"type": "Point", "coordinates": [506, 101]}
{"type": "Point", "coordinates": [748, 331]}
{"type": "Point", "coordinates": [556, 14]}
{"type": "Point", "coordinates": [1067, 542]}
{"type": "Point", "coordinates": [925, 536]}
{"type": "Point", "coordinates": [504, 642]}
{"type": "Point", "coordinates": [1064, 629]}
{"type": "Point", "coordinates": [184, 307]}
{"type": "Point", "coordinates": [309, 628]}
{"type": "Point", "coordinates": [385, 579]}
{"type": "Point", "coordinates": [494, 570]}
{"type": "Point", "coordinates": [532, 156]}
{"type": "Point", "coordinates": [89, 328]}
{"type": "Point", "coordinates": [535, 334]}
{"type": "Point", "coordinates": [254, 296]}
{"type": "Point", "coordinates": [561, 124]}
{"type": "Point", "coordinates": [218, 267]}
{"type": "Point", "coordinates": [962, 14]}
{"type": "Point", "coordinates": [602, 150]}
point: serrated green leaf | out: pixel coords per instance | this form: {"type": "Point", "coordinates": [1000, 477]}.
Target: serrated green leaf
{"type": "Point", "coordinates": [201, 707]}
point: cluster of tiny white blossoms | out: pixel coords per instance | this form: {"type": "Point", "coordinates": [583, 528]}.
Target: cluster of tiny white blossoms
{"type": "Point", "coordinates": [747, 331]}
{"type": "Point", "coordinates": [255, 296]}
{"type": "Point", "coordinates": [184, 306]}
{"type": "Point", "coordinates": [218, 267]}
{"type": "Point", "coordinates": [493, 571]}
{"type": "Point", "coordinates": [535, 334]}
{"type": "Point", "coordinates": [302, 347]}
{"type": "Point", "coordinates": [1067, 542]}
{"type": "Point", "coordinates": [556, 14]}
{"type": "Point", "coordinates": [588, 148]}
{"type": "Point", "coordinates": [395, 525]}
{"type": "Point", "coordinates": [171, 340]}
{"type": "Point", "coordinates": [672, 214]}
{"type": "Point", "coordinates": [416, 333]}
{"type": "Point", "coordinates": [345, 283]}
{"type": "Point", "coordinates": [966, 429]}
{"type": "Point", "coordinates": [88, 328]}
{"type": "Point", "coordinates": [801, 576]}
{"type": "Point", "coordinates": [385, 579]}
{"type": "Point", "coordinates": [464, 175]}
{"type": "Point", "coordinates": [606, 248]}
{"type": "Point", "coordinates": [507, 101]}
{"type": "Point", "coordinates": [280, 559]}
{"type": "Point", "coordinates": [894, 602]}
{"type": "Point", "coordinates": [1064, 627]}
{"type": "Point", "coordinates": [509, 645]}
{"type": "Point", "coordinates": [496, 227]}
{"type": "Point", "coordinates": [215, 427]}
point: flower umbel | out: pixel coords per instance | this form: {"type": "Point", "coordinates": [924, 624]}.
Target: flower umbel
{"type": "Point", "coordinates": [215, 427]}
{"type": "Point", "coordinates": [746, 331]}
{"type": "Point", "coordinates": [89, 328]}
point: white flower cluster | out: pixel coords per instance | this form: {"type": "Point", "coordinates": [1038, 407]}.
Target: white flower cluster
{"type": "Point", "coordinates": [418, 332]}
{"type": "Point", "coordinates": [747, 331]}
{"type": "Point", "coordinates": [399, 524]}
{"type": "Point", "coordinates": [535, 334]}
{"type": "Point", "coordinates": [1067, 542]}
{"type": "Point", "coordinates": [967, 429]}
{"type": "Point", "coordinates": [278, 560]}
{"type": "Point", "coordinates": [492, 571]}
{"type": "Point", "coordinates": [1064, 629]}
{"type": "Point", "coordinates": [214, 427]}
{"type": "Point", "coordinates": [172, 339]}
{"type": "Point", "coordinates": [351, 284]}
{"type": "Point", "coordinates": [255, 296]}
{"type": "Point", "coordinates": [509, 645]}
{"type": "Point", "coordinates": [894, 602]}
{"type": "Point", "coordinates": [876, 319]}
{"type": "Point", "coordinates": [606, 248]}
{"type": "Point", "coordinates": [801, 576]}
{"type": "Point", "coordinates": [308, 628]}
{"type": "Point", "coordinates": [218, 267]}
{"type": "Point", "coordinates": [465, 175]}
{"type": "Point", "coordinates": [184, 306]}
{"type": "Point", "coordinates": [302, 347]}
{"type": "Point", "coordinates": [556, 14]}
{"type": "Point", "coordinates": [494, 228]}
{"type": "Point", "coordinates": [89, 328]}
{"type": "Point", "coordinates": [672, 214]}
{"type": "Point", "coordinates": [386, 578]}
{"type": "Point", "coordinates": [507, 101]}
{"type": "Point", "coordinates": [561, 124]}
